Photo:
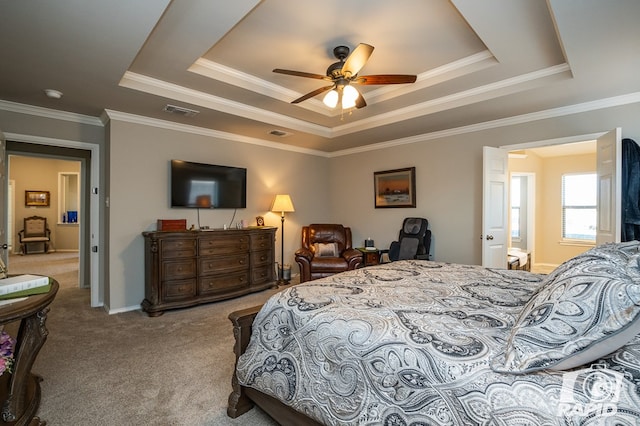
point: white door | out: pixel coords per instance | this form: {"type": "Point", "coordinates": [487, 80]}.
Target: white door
{"type": "Point", "coordinates": [3, 202]}
{"type": "Point", "coordinates": [609, 208]}
{"type": "Point", "coordinates": [494, 207]}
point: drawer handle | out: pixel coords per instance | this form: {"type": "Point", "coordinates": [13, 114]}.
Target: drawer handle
{"type": "Point", "coordinates": [241, 279]}
{"type": "Point", "coordinates": [242, 262]}
{"type": "Point", "coordinates": [179, 268]}
{"type": "Point", "coordinates": [263, 257]}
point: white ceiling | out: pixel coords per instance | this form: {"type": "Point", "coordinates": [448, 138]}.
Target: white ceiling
{"type": "Point", "coordinates": [476, 62]}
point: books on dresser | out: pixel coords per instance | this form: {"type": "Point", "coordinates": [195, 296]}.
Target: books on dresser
{"type": "Point", "coordinates": [23, 285]}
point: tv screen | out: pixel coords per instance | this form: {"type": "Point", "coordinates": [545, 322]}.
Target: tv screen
{"type": "Point", "coordinates": [207, 186]}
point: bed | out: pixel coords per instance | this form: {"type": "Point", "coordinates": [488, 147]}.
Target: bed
{"type": "Point", "coordinates": [425, 343]}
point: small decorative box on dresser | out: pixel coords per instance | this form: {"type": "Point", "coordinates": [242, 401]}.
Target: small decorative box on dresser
{"type": "Point", "coordinates": [193, 267]}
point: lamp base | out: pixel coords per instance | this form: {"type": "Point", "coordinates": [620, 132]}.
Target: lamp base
{"type": "Point", "coordinates": [283, 282]}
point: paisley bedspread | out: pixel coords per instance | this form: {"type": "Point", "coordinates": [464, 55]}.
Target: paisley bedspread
{"type": "Point", "coordinates": [411, 343]}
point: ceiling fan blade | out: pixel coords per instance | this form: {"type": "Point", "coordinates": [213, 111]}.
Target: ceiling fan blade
{"type": "Point", "coordinates": [301, 74]}
{"type": "Point", "coordinates": [360, 102]}
{"type": "Point", "coordinates": [356, 60]}
{"type": "Point", "coordinates": [385, 79]}
{"type": "Point", "coordinates": [312, 94]}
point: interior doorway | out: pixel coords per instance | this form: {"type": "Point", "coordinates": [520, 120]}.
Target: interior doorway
{"type": "Point", "coordinates": [67, 236]}
{"type": "Point", "coordinates": [537, 220]}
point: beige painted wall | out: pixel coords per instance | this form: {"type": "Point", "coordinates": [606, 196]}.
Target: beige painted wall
{"type": "Point", "coordinates": [139, 194]}
{"type": "Point", "coordinates": [336, 189]}
{"type": "Point", "coordinates": [549, 250]}
{"type": "Point", "coordinates": [41, 174]}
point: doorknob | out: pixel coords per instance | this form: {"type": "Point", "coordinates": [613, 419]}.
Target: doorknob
{"type": "Point", "coordinates": [489, 237]}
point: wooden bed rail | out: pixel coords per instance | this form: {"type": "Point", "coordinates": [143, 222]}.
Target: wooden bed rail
{"type": "Point", "coordinates": [242, 320]}
{"type": "Point", "coordinates": [242, 399]}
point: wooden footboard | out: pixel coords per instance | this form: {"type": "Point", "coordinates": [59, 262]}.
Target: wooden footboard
{"type": "Point", "coordinates": [242, 399]}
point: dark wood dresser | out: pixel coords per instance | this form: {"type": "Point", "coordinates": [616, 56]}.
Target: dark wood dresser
{"type": "Point", "coordinates": [187, 268]}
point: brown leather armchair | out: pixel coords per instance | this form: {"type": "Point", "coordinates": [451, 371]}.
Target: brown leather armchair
{"type": "Point", "coordinates": [326, 250]}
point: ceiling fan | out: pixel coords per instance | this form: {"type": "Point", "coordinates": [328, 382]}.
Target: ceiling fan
{"type": "Point", "coordinates": [344, 74]}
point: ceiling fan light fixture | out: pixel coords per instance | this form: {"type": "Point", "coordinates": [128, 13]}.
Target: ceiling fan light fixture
{"type": "Point", "coordinates": [331, 98]}
{"type": "Point", "coordinates": [349, 97]}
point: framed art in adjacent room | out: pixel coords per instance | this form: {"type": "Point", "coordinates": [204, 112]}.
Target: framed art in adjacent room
{"type": "Point", "coordinates": [395, 188]}
{"type": "Point", "coordinates": [36, 198]}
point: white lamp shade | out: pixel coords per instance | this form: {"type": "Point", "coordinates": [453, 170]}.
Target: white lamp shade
{"type": "Point", "coordinates": [349, 96]}
{"type": "Point", "coordinates": [331, 99]}
{"type": "Point", "coordinates": [282, 203]}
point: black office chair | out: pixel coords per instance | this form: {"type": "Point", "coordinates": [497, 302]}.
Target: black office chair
{"type": "Point", "coordinates": [414, 240]}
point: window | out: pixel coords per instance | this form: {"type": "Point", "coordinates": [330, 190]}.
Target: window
{"type": "Point", "coordinates": [68, 197]}
{"type": "Point", "coordinates": [579, 206]}
{"type": "Point", "coordinates": [515, 207]}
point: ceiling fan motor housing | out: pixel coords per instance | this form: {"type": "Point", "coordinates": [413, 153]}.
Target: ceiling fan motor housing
{"type": "Point", "coordinates": [335, 69]}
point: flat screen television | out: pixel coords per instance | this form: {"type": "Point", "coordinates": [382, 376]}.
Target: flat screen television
{"type": "Point", "coordinates": [207, 186]}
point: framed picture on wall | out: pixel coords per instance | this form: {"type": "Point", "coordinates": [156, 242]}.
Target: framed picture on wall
{"type": "Point", "coordinates": [395, 188]}
{"type": "Point", "coordinates": [37, 198]}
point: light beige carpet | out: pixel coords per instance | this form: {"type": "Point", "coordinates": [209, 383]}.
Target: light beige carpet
{"type": "Point", "coordinates": [129, 369]}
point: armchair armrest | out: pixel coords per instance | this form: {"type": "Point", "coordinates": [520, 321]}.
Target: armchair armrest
{"type": "Point", "coordinates": [351, 254]}
{"type": "Point", "coordinates": [304, 253]}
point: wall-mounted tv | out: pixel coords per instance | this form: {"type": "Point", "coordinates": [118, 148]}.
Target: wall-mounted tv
{"type": "Point", "coordinates": [207, 186]}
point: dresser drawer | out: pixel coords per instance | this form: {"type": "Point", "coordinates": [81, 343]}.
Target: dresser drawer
{"type": "Point", "coordinates": [223, 283]}
{"type": "Point", "coordinates": [261, 258]}
{"type": "Point", "coordinates": [262, 274]}
{"type": "Point", "coordinates": [177, 269]}
{"type": "Point", "coordinates": [222, 264]}
{"type": "Point", "coordinates": [178, 289]}
{"type": "Point", "coordinates": [225, 245]}
{"type": "Point", "coordinates": [178, 248]}
{"type": "Point", "coordinates": [262, 242]}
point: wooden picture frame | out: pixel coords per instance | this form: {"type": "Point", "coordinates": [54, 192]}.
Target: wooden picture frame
{"type": "Point", "coordinates": [37, 198]}
{"type": "Point", "coordinates": [395, 188]}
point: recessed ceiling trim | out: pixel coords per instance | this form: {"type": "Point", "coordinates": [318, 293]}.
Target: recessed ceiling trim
{"type": "Point", "coordinates": [454, 100]}
{"type": "Point", "coordinates": [157, 87]}
{"type": "Point", "coordinates": [464, 66]}
{"type": "Point", "coordinates": [246, 81]}
{"type": "Point", "coordinates": [611, 102]}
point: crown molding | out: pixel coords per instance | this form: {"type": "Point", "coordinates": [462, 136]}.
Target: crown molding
{"type": "Point", "coordinates": [246, 81]}
{"type": "Point", "coordinates": [605, 103]}
{"type": "Point", "coordinates": [107, 115]}
{"type": "Point", "coordinates": [169, 125]}
{"type": "Point", "coordinates": [157, 87]}
{"type": "Point", "coordinates": [49, 113]}
{"type": "Point", "coordinates": [466, 97]}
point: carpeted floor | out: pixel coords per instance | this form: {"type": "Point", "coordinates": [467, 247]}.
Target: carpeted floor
{"type": "Point", "coordinates": [129, 369]}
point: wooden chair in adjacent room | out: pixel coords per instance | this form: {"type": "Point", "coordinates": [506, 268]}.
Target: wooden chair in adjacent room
{"type": "Point", "coordinates": [35, 231]}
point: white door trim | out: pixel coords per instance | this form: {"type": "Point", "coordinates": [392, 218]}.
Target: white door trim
{"type": "Point", "coordinates": [96, 258]}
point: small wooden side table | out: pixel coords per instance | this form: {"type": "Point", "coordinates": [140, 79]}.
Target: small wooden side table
{"type": "Point", "coordinates": [370, 257]}
{"type": "Point", "coordinates": [20, 391]}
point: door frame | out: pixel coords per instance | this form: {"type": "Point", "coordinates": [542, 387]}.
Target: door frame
{"type": "Point", "coordinates": [556, 141]}
{"type": "Point", "coordinates": [92, 226]}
